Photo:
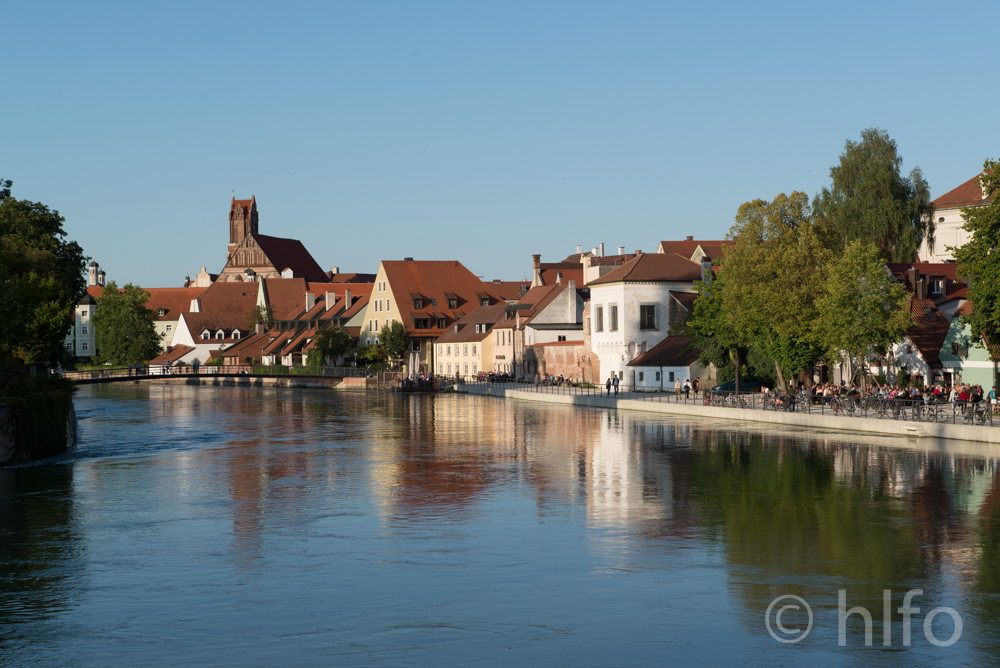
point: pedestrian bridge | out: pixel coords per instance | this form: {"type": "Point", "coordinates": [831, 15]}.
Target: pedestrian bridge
{"type": "Point", "coordinates": [260, 376]}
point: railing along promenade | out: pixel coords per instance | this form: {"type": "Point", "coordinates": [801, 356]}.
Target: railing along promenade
{"type": "Point", "coordinates": [875, 407]}
{"type": "Point", "coordinates": [111, 374]}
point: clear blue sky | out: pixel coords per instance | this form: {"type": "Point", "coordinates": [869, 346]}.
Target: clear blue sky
{"type": "Point", "coordinates": [476, 131]}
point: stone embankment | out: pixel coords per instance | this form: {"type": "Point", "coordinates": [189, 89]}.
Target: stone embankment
{"type": "Point", "coordinates": [982, 434]}
{"type": "Point", "coordinates": [36, 426]}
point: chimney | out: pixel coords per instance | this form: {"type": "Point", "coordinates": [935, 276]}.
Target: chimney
{"type": "Point", "coordinates": [347, 299]}
{"type": "Point", "coordinates": [571, 304]}
{"type": "Point", "coordinates": [187, 280]}
{"type": "Point", "coordinates": [196, 305]}
{"type": "Point", "coordinates": [690, 238]}
{"type": "Point", "coordinates": [258, 328]}
{"type": "Point", "coordinates": [559, 278]}
{"type": "Point", "coordinates": [638, 252]}
{"type": "Point", "coordinates": [334, 271]}
{"type": "Point", "coordinates": [456, 328]}
{"type": "Point", "coordinates": [331, 299]}
{"type": "Point", "coordinates": [913, 275]}
{"type": "Point", "coordinates": [407, 259]}
{"type": "Point", "coordinates": [921, 289]}
{"type": "Point", "coordinates": [310, 301]}
{"type": "Point", "coordinates": [536, 277]}
{"type": "Point", "coordinates": [578, 249]}
{"type": "Point", "coordinates": [593, 251]}
{"type": "Point", "coordinates": [706, 269]}
{"type": "Point", "coordinates": [621, 250]}
{"type": "Point", "coordinates": [602, 249]}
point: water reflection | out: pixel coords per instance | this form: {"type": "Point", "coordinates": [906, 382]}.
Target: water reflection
{"type": "Point", "coordinates": [371, 524]}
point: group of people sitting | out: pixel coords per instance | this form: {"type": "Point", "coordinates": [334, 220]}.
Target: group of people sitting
{"type": "Point", "coordinates": [963, 393]}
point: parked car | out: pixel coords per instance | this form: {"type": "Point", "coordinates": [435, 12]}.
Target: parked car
{"type": "Point", "coordinates": [747, 384]}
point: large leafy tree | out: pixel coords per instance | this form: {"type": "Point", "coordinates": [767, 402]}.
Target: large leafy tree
{"type": "Point", "coordinates": [41, 278]}
{"type": "Point", "coordinates": [261, 314]}
{"type": "Point", "coordinates": [870, 200]}
{"type": "Point", "coordinates": [774, 273]}
{"type": "Point", "coordinates": [979, 259]}
{"type": "Point", "coordinates": [330, 343]}
{"type": "Point", "coordinates": [124, 328]}
{"type": "Point", "coordinates": [863, 308]}
{"type": "Point", "coordinates": [394, 341]}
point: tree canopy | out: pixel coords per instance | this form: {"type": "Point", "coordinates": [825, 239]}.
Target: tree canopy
{"type": "Point", "coordinates": [330, 343]}
{"type": "Point", "coordinates": [41, 278]}
{"type": "Point", "coordinates": [394, 341]}
{"type": "Point", "coordinates": [979, 260]}
{"type": "Point", "coordinates": [869, 200]}
{"type": "Point", "coordinates": [124, 328]}
{"type": "Point", "coordinates": [260, 314]}
{"type": "Point", "coordinates": [863, 307]}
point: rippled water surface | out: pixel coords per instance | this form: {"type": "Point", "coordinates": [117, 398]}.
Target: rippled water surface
{"type": "Point", "coordinates": [222, 526]}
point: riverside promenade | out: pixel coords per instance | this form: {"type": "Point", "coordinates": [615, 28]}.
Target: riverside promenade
{"type": "Point", "coordinates": [871, 425]}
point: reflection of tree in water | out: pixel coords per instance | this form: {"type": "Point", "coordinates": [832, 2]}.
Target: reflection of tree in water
{"type": "Point", "coordinates": [37, 540]}
{"type": "Point", "coordinates": [811, 518]}
{"type": "Point", "coordinates": [985, 583]}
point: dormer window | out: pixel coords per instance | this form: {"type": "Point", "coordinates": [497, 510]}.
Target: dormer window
{"type": "Point", "coordinates": [441, 323]}
{"type": "Point", "coordinates": [935, 286]}
{"type": "Point", "coordinates": [418, 303]}
{"type": "Point", "coordinates": [452, 303]}
{"type": "Point", "coordinates": [160, 312]}
{"type": "Point", "coordinates": [220, 335]}
{"type": "Point", "coordinates": [205, 336]}
{"type": "Point", "coordinates": [484, 301]}
{"type": "Point", "coordinates": [236, 334]}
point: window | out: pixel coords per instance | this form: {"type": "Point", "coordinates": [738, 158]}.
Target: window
{"type": "Point", "coordinates": [416, 345]}
{"type": "Point", "coordinates": [484, 302]}
{"type": "Point", "coordinates": [440, 350]}
{"type": "Point", "coordinates": [647, 316]}
{"type": "Point", "coordinates": [671, 376]}
{"type": "Point", "coordinates": [168, 328]}
{"type": "Point", "coordinates": [205, 336]}
{"type": "Point", "coordinates": [449, 350]}
{"type": "Point", "coordinates": [388, 321]}
{"type": "Point", "coordinates": [561, 337]}
{"type": "Point", "coordinates": [465, 369]}
{"type": "Point", "coordinates": [599, 319]}
{"type": "Point", "coordinates": [434, 302]}
{"type": "Point", "coordinates": [376, 325]}
{"type": "Point", "coordinates": [657, 376]}
{"type": "Point", "coordinates": [83, 330]}
{"type": "Point", "coordinates": [465, 349]}
{"type": "Point", "coordinates": [83, 313]}
{"type": "Point", "coordinates": [442, 323]}
{"type": "Point", "coordinates": [935, 286]}
{"type": "Point", "coordinates": [418, 303]}
{"type": "Point", "coordinates": [84, 346]}
{"type": "Point", "coordinates": [219, 335]}
{"type": "Point", "coordinates": [69, 346]}
{"type": "Point", "coordinates": [954, 347]}
{"type": "Point", "coordinates": [449, 368]}
{"type": "Point", "coordinates": [236, 334]}
{"type": "Point", "coordinates": [440, 368]}
{"type": "Point", "coordinates": [388, 306]}
{"type": "Point", "coordinates": [473, 351]}
{"type": "Point", "coordinates": [613, 317]}
{"type": "Point", "coordinates": [161, 312]}
{"type": "Point", "coordinates": [452, 303]}
{"type": "Point", "coordinates": [474, 370]}
{"type": "Point", "coordinates": [640, 375]}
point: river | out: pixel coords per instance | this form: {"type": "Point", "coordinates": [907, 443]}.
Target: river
{"type": "Point", "coordinates": [220, 526]}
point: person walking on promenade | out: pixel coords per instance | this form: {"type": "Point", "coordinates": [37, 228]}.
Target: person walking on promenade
{"type": "Point", "coordinates": [694, 386]}
{"type": "Point", "coordinates": [677, 389]}
{"type": "Point", "coordinates": [608, 385]}
{"type": "Point", "coordinates": [687, 390]}
{"type": "Point", "coordinates": [615, 383]}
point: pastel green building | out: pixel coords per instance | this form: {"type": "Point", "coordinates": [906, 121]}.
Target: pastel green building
{"type": "Point", "coordinates": [966, 358]}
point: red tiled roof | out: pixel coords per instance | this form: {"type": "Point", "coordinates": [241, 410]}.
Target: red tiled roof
{"type": "Point", "coordinates": [290, 253]}
{"type": "Point", "coordinates": [654, 267]}
{"type": "Point", "coordinates": [687, 247]}
{"type": "Point", "coordinates": [248, 347]}
{"type": "Point", "coordinates": [225, 297]}
{"type": "Point", "coordinates": [481, 315]}
{"type": "Point", "coordinates": [686, 299]}
{"type": "Point", "coordinates": [172, 355]}
{"type": "Point", "coordinates": [969, 193]}
{"type": "Point", "coordinates": [508, 289]}
{"type": "Point", "coordinates": [227, 322]}
{"type": "Point", "coordinates": [555, 343]}
{"type": "Point", "coordinates": [352, 278]}
{"type": "Point", "coordinates": [173, 300]}
{"type": "Point", "coordinates": [671, 351]}
{"type": "Point", "coordinates": [964, 309]}
{"type": "Point", "coordinates": [286, 296]}
{"type": "Point", "coordinates": [954, 288]}
{"type": "Point", "coordinates": [928, 330]}
{"type": "Point", "coordinates": [433, 279]}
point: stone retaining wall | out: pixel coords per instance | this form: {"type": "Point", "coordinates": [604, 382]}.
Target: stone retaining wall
{"type": "Point", "coordinates": [962, 432]}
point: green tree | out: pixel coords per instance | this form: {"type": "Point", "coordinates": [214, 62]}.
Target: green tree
{"type": "Point", "coordinates": [41, 278]}
{"type": "Point", "coordinates": [869, 200]}
{"type": "Point", "coordinates": [863, 308]}
{"type": "Point", "coordinates": [260, 314]}
{"type": "Point", "coordinates": [395, 342]}
{"type": "Point", "coordinates": [330, 343]}
{"type": "Point", "coordinates": [712, 333]}
{"type": "Point", "coordinates": [979, 261]}
{"type": "Point", "coordinates": [774, 273]}
{"type": "Point", "coordinates": [371, 354]}
{"type": "Point", "coordinates": [124, 328]}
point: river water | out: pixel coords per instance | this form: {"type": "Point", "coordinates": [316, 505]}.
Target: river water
{"type": "Point", "coordinates": [222, 526]}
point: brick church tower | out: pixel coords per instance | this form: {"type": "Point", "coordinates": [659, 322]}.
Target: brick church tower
{"type": "Point", "coordinates": [242, 221]}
